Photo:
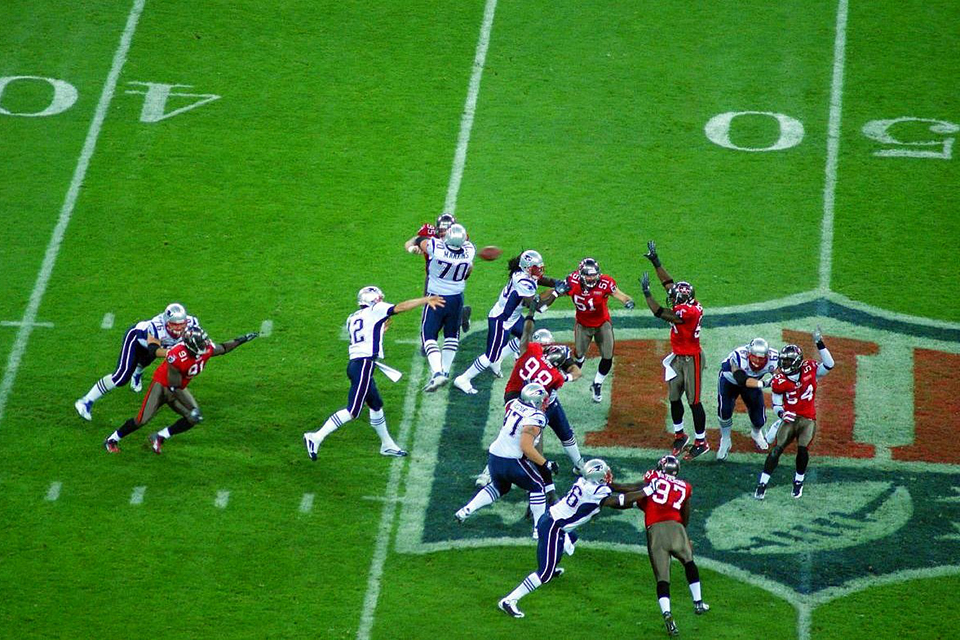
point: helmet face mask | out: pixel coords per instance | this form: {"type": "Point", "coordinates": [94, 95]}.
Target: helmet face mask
{"type": "Point", "coordinates": [369, 296]}
{"type": "Point", "coordinates": [542, 336]}
{"type": "Point", "coordinates": [758, 353]}
{"type": "Point", "coordinates": [531, 262]}
{"type": "Point", "coordinates": [444, 222]}
{"type": "Point", "coordinates": [669, 465]}
{"type": "Point", "coordinates": [195, 341]}
{"type": "Point", "coordinates": [791, 359]}
{"type": "Point", "coordinates": [455, 236]}
{"type": "Point", "coordinates": [680, 293]}
{"type": "Point", "coordinates": [589, 273]}
{"type": "Point", "coordinates": [597, 471]}
{"type": "Point", "coordinates": [533, 395]}
{"type": "Point", "coordinates": [175, 319]}
{"type": "Point", "coordinates": [556, 354]}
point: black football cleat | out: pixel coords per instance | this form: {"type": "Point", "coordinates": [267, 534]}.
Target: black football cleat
{"type": "Point", "coordinates": [670, 625]}
{"type": "Point", "coordinates": [699, 448]}
{"type": "Point", "coordinates": [797, 488]}
{"type": "Point", "coordinates": [700, 607]}
{"type": "Point", "coordinates": [761, 491]}
{"type": "Point", "coordinates": [156, 443]}
{"type": "Point", "coordinates": [465, 318]}
{"type": "Point", "coordinates": [112, 446]}
{"type": "Point", "coordinates": [679, 442]}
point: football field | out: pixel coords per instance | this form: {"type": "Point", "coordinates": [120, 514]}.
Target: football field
{"type": "Point", "coordinates": [260, 162]}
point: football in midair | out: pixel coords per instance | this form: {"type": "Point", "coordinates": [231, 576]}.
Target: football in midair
{"type": "Point", "coordinates": [490, 253]}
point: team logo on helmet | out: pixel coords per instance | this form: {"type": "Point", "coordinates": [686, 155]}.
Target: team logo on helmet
{"type": "Point", "coordinates": [531, 263]}
{"type": "Point", "coordinates": [444, 222]}
{"type": "Point", "coordinates": [556, 354]}
{"type": "Point", "coordinates": [455, 236]}
{"type": "Point", "coordinates": [175, 319]}
{"type": "Point", "coordinates": [542, 336]}
{"type": "Point", "coordinates": [758, 353]}
{"type": "Point", "coordinates": [680, 293]}
{"type": "Point", "coordinates": [589, 272]}
{"type": "Point", "coordinates": [533, 394]}
{"type": "Point", "coordinates": [791, 359]}
{"type": "Point", "coordinates": [369, 296]}
{"type": "Point", "coordinates": [196, 341]}
{"type": "Point", "coordinates": [597, 471]}
{"type": "Point", "coordinates": [669, 465]}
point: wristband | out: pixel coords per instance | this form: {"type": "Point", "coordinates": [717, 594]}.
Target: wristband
{"type": "Point", "coordinates": [820, 344]}
{"type": "Point", "coordinates": [658, 312]}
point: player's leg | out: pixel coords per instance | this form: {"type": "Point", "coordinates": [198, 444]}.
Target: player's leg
{"type": "Point", "coordinates": [183, 402]}
{"type": "Point", "coordinates": [431, 320]}
{"type": "Point", "coordinates": [514, 333]}
{"type": "Point", "coordinates": [682, 550]}
{"type": "Point", "coordinates": [674, 394]}
{"type": "Point", "coordinates": [126, 364]}
{"type": "Point", "coordinates": [378, 420]}
{"type": "Point", "coordinates": [528, 477]}
{"type": "Point", "coordinates": [557, 419]}
{"type": "Point", "coordinates": [757, 411]}
{"type": "Point", "coordinates": [806, 430]}
{"type": "Point", "coordinates": [155, 398]}
{"type": "Point", "coordinates": [604, 337]}
{"type": "Point", "coordinates": [726, 399]}
{"type": "Point", "coordinates": [500, 474]}
{"type": "Point", "coordinates": [785, 435]}
{"type": "Point", "coordinates": [659, 555]}
{"type": "Point", "coordinates": [548, 532]}
{"type": "Point", "coordinates": [693, 377]}
{"type": "Point", "coordinates": [360, 372]}
{"type": "Point", "coordinates": [581, 342]}
{"type": "Point", "coordinates": [451, 337]}
{"type": "Point", "coordinates": [495, 341]}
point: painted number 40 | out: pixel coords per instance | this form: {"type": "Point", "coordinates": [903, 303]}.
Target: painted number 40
{"type": "Point", "coordinates": [904, 137]}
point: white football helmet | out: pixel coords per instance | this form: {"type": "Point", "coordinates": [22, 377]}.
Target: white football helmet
{"type": "Point", "coordinates": [533, 394]}
{"type": "Point", "coordinates": [598, 471]}
{"type": "Point", "coordinates": [542, 336]}
{"type": "Point", "coordinates": [455, 236]}
{"type": "Point", "coordinates": [531, 262]}
{"type": "Point", "coordinates": [758, 353]}
{"type": "Point", "coordinates": [175, 319]}
{"type": "Point", "coordinates": [369, 296]}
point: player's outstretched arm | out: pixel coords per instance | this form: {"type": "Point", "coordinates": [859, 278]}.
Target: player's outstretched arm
{"type": "Point", "coordinates": [528, 326]}
{"type": "Point", "coordinates": [624, 298]}
{"type": "Point", "coordinates": [654, 259]}
{"type": "Point", "coordinates": [230, 345]}
{"type": "Point", "coordinates": [826, 358]}
{"type": "Point", "coordinates": [431, 301]}
{"type": "Point", "coordinates": [627, 488]}
{"type": "Point", "coordinates": [622, 500]}
{"type": "Point", "coordinates": [654, 306]}
{"type": "Point", "coordinates": [413, 245]}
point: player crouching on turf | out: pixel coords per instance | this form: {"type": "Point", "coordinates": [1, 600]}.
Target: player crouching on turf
{"type": "Point", "coordinates": [366, 328]}
{"type": "Point", "coordinates": [556, 527]}
{"type": "Point", "coordinates": [741, 375]}
{"type": "Point", "coordinates": [183, 363]}
{"type": "Point", "coordinates": [794, 392]}
{"type": "Point", "coordinates": [666, 507]}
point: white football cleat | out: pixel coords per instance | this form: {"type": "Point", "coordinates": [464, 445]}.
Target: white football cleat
{"type": "Point", "coordinates": [436, 381]}
{"type": "Point", "coordinates": [461, 515]}
{"type": "Point", "coordinates": [136, 382]}
{"type": "Point", "coordinates": [496, 370]}
{"type": "Point", "coordinates": [510, 608]}
{"type": "Point", "coordinates": [464, 385]}
{"type": "Point", "coordinates": [484, 478]}
{"type": "Point", "coordinates": [393, 452]}
{"type": "Point", "coordinates": [311, 446]}
{"type": "Point", "coordinates": [83, 408]}
{"type": "Point", "coordinates": [536, 534]}
{"type": "Point", "coordinates": [724, 449]}
{"type": "Point", "coordinates": [759, 440]}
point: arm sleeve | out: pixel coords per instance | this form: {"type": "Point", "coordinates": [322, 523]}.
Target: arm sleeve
{"type": "Point", "coordinates": [777, 401]}
{"type": "Point", "coordinates": [826, 363]}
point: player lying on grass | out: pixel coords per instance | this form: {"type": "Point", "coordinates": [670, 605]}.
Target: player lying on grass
{"type": "Point", "coordinates": [366, 328]}
{"type": "Point", "coordinates": [684, 365]}
{"type": "Point", "coordinates": [794, 400]}
{"type": "Point", "coordinates": [143, 343]}
{"type": "Point", "coordinates": [666, 507]}
{"type": "Point", "coordinates": [183, 363]}
{"type": "Point", "coordinates": [556, 527]}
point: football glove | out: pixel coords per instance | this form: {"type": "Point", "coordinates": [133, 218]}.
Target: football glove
{"type": "Point", "coordinates": [651, 254]}
{"type": "Point", "coordinates": [562, 287]}
{"type": "Point", "coordinates": [645, 283]}
{"type": "Point", "coordinates": [629, 304]}
{"type": "Point", "coordinates": [552, 466]}
{"type": "Point", "coordinates": [818, 337]}
{"type": "Point", "coordinates": [247, 337]}
{"type": "Point", "coordinates": [788, 416]}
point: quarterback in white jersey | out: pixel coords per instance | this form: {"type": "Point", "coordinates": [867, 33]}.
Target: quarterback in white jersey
{"type": "Point", "coordinates": [365, 328]}
{"type": "Point", "coordinates": [556, 527]}
{"type": "Point", "coordinates": [450, 263]}
{"type": "Point", "coordinates": [504, 319]}
{"type": "Point", "coordinates": [741, 376]}
{"type": "Point", "coordinates": [144, 342]}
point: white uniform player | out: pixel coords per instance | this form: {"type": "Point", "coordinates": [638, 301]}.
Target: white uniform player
{"type": "Point", "coordinates": [741, 376]}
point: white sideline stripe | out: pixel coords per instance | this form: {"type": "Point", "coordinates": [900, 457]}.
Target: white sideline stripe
{"type": "Point", "coordinates": [833, 149]}
{"type": "Point", "coordinates": [66, 211]}
{"type": "Point", "coordinates": [266, 328]}
{"type": "Point", "coordinates": [223, 498]}
{"type": "Point", "coordinates": [390, 502]}
{"type": "Point", "coordinates": [107, 321]}
{"type": "Point", "coordinates": [469, 109]}
{"type": "Point", "coordinates": [54, 491]}
{"type": "Point", "coordinates": [306, 503]}
{"type": "Point", "coordinates": [137, 496]}
{"type": "Point", "coordinates": [21, 323]}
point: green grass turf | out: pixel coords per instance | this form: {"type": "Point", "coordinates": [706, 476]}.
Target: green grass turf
{"type": "Point", "coordinates": [331, 143]}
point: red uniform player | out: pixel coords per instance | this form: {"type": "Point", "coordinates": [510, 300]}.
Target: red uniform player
{"type": "Point", "coordinates": [666, 507]}
{"type": "Point", "coordinates": [794, 387]}
{"type": "Point", "coordinates": [589, 289]}
{"type": "Point", "coordinates": [444, 222]}
{"type": "Point", "coordinates": [183, 363]}
{"type": "Point", "coordinates": [684, 365]}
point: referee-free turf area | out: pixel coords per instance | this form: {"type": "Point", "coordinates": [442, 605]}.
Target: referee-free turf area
{"type": "Point", "coordinates": [263, 161]}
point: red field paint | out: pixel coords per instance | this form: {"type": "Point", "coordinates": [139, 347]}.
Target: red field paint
{"type": "Point", "coordinates": [936, 408]}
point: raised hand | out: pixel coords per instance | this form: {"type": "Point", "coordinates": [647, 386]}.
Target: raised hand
{"type": "Point", "coordinates": [645, 283]}
{"type": "Point", "coordinates": [817, 335]}
{"type": "Point", "coordinates": [651, 254]}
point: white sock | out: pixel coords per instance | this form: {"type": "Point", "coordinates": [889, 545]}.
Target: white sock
{"type": "Point", "coordinates": [798, 477]}
{"type": "Point", "coordinates": [333, 423]}
{"type": "Point", "coordinates": [725, 432]}
{"type": "Point", "coordinates": [138, 372]}
{"type": "Point", "coordinates": [164, 433]}
{"type": "Point", "coordinates": [379, 423]}
{"type": "Point", "coordinates": [664, 605]}
{"type": "Point", "coordinates": [530, 583]}
{"type": "Point", "coordinates": [599, 378]}
{"type": "Point", "coordinates": [695, 591]}
{"type": "Point", "coordinates": [677, 428]}
{"type": "Point", "coordinates": [573, 451]}
{"type": "Point", "coordinates": [102, 386]}
{"type": "Point", "coordinates": [479, 366]}
{"type": "Point", "coordinates": [115, 436]}
{"type": "Point", "coordinates": [514, 345]}
{"type": "Point", "coordinates": [538, 505]}
{"type": "Point", "coordinates": [449, 352]}
{"type": "Point", "coordinates": [764, 478]}
{"type": "Point", "coordinates": [486, 496]}
{"type": "Point", "coordinates": [433, 355]}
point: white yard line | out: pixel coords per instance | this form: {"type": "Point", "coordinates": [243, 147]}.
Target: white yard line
{"type": "Point", "coordinates": [266, 328]}
{"type": "Point", "coordinates": [21, 323]}
{"type": "Point", "coordinates": [390, 502]}
{"type": "Point", "coordinates": [107, 322]}
{"type": "Point", "coordinates": [53, 493]}
{"type": "Point", "coordinates": [136, 497]}
{"type": "Point", "coordinates": [223, 499]}
{"type": "Point", "coordinates": [833, 147]}
{"type": "Point", "coordinates": [66, 211]}
{"type": "Point", "coordinates": [306, 503]}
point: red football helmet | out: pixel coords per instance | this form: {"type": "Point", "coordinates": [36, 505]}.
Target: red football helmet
{"type": "Point", "coordinates": [589, 273]}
